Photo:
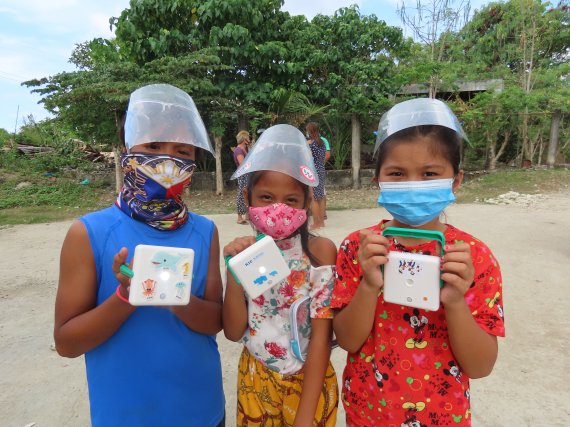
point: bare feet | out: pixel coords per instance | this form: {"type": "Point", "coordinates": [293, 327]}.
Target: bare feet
{"type": "Point", "coordinates": [241, 220]}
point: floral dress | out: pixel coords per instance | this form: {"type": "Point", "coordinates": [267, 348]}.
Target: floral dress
{"type": "Point", "coordinates": [269, 333]}
{"type": "Point", "coordinates": [270, 378]}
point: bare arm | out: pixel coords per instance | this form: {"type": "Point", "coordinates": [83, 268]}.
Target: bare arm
{"type": "Point", "coordinates": [80, 326]}
{"type": "Point", "coordinates": [204, 315]}
{"type": "Point", "coordinates": [234, 310]}
{"type": "Point", "coordinates": [352, 324]}
{"type": "Point", "coordinates": [235, 304]}
{"type": "Point", "coordinates": [475, 349]}
{"type": "Point", "coordinates": [315, 369]}
{"type": "Point", "coordinates": [327, 155]}
{"type": "Point", "coordinates": [319, 346]}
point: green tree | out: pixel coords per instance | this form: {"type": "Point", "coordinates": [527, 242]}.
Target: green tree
{"type": "Point", "coordinates": [92, 102]}
{"type": "Point", "coordinates": [96, 52]}
{"type": "Point", "coordinates": [4, 136]}
{"type": "Point", "coordinates": [246, 37]}
{"type": "Point", "coordinates": [525, 42]}
{"type": "Point", "coordinates": [293, 108]}
{"type": "Point", "coordinates": [349, 62]}
{"type": "Point", "coordinates": [491, 123]}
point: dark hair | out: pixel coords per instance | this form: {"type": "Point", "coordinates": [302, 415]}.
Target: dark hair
{"type": "Point", "coordinates": [252, 179]}
{"type": "Point", "coordinates": [313, 129]}
{"type": "Point", "coordinates": [444, 141]}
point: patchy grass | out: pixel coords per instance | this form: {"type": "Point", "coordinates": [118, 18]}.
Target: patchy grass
{"type": "Point", "coordinates": [347, 198]}
{"type": "Point", "coordinates": [208, 202]}
{"type": "Point", "coordinates": [64, 198]}
{"type": "Point", "coordinates": [38, 214]}
{"type": "Point", "coordinates": [34, 198]}
{"type": "Point", "coordinates": [521, 180]}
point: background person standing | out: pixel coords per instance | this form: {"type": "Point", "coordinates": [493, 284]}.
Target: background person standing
{"type": "Point", "coordinates": [318, 150]}
{"type": "Point", "coordinates": [327, 157]}
{"type": "Point", "coordinates": [239, 153]}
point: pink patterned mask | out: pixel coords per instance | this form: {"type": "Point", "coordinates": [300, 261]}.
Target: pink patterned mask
{"type": "Point", "coordinates": [277, 220]}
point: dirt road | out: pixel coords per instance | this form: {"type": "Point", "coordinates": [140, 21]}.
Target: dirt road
{"type": "Point", "coordinates": [529, 386]}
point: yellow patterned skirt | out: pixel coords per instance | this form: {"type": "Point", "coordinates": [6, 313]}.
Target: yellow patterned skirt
{"type": "Point", "coordinates": [268, 399]}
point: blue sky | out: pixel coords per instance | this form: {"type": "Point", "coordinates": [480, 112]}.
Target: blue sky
{"type": "Point", "coordinates": [38, 36]}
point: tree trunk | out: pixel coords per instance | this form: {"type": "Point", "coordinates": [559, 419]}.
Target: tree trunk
{"type": "Point", "coordinates": [526, 144]}
{"type": "Point", "coordinates": [219, 172]}
{"type": "Point", "coordinates": [534, 145]}
{"type": "Point", "coordinates": [495, 155]}
{"type": "Point", "coordinates": [553, 143]}
{"type": "Point", "coordinates": [528, 61]}
{"type": "Point", "coordinates": [492, 155]}
{"type": "Point", "coordinates": [540, 152]}
{"type": "Point", "coordinates": [242, 122]}
{"type": "Point", "coordinates": [118, 169]}
{"type": "Point", "coordinates": [433, 86]}
{"type": "Point", "coordinates": [355, 151]}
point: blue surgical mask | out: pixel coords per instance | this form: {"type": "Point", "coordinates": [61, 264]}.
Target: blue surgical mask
{"type": "Point", "coordinates": [416, 203]}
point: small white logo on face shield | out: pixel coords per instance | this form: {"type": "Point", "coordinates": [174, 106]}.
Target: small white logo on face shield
{"type": "Point", "coordinates": [307, 173]}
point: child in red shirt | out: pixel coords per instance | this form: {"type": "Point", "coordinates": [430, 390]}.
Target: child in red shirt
{"type": "Point", "coordinates": [409, 367]}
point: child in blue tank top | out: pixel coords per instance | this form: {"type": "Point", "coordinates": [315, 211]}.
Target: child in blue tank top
{"type": "Point", "coordinates": [146, 366]}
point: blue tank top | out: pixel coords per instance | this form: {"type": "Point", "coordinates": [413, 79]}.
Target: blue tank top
{"type": "Point", "coordinates": [154, 371]}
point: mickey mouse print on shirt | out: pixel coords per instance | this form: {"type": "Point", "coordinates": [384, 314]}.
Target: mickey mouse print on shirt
{"type": "Point", "coordinates": [405, 373]}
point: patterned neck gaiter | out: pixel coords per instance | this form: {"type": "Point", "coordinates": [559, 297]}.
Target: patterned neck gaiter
{"type": "Point", "coordinates": [152, 190]}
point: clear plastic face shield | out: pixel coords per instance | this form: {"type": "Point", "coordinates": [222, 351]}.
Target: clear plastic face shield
{"type": "Point", "coordinates": [281, 148]}
{"type": "Point", "coordinates": [416, 112]}
{"type": "Point", "coordinates": [164, 113]}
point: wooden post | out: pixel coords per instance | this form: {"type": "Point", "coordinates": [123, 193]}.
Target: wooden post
{"type": "Point", "coordinates": [219, 172]}
{"type": "Point", "coordinates": [553, 143]}
{"type": "Point", "coordinates": [242, 122]}
{"type": "Point", "coordinates": [355, 151]}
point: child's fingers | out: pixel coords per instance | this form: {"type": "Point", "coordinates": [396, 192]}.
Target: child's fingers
{"type": "Point", "coordinates": [238, 245]}
{"type": "Point", "coordinates": [459, 268]}
{"type": "Point", "coordinates": [464, 257]}
{"type": "Point", "coordinates": [372, 236]}
{"type": "Point", "coordinates": [369, 237]}
{"type": "Point", "coordinates": [458, 247]}
{"type": "Point", "coordinates": [452, 279]}
{"type": "Point", "coordinates": [372, 249]}
{"type": "Point", "coordinates": [371, 270]}
{"type": "Point", "coordinates": [458, 276]}
{"type": "Point", "coordinates": [377, 261]}
{"type": "Point", "coordinates": [119, 259]}
{"type": "Point", "coordinates": [457, 260]}
{"type": "Point", "coordinates": [365, 236]}
{"type": "Point", "coordinates": [364, 233]}
{"type": "Point", "coordinates": [231, 250]}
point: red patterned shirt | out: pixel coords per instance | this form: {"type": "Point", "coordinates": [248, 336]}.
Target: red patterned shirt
{"type": "Point", "coordinates": [405, 374]}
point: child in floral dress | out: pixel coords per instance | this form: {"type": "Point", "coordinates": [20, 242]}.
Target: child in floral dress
{"type": "Point", "coordinates": [275, 388]}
